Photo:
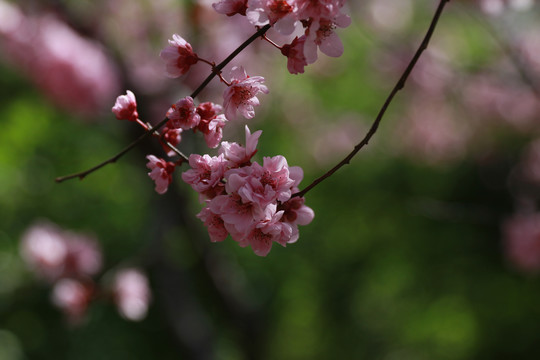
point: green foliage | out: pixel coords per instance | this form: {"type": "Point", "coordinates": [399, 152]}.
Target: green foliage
{"type": "Point", "coordinates": [403, 260]}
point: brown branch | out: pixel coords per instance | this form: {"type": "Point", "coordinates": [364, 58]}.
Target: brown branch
{"type": "Point", "coordinates": [215, 71]}
{"type": "Point", "coordinates": [400, 84]}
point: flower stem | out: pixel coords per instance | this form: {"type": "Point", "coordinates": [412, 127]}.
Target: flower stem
{"type": "Point", "coordinates": [215, 71]}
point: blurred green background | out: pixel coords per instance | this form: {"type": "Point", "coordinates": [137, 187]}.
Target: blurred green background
{"type": "Point", "coordinates": [405, 258]}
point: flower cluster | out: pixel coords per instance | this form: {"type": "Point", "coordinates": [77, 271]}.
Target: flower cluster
{"type": "Point", "coordinates": [318, 18]}
{"type": "Point", "coordinates": [252, 203]}
{"type": "Point", "coordinates": [69, 261]}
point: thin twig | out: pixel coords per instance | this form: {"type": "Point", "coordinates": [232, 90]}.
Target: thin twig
{"type": "Point", "coordinates": [400, 84]}
{"type": "Point", "coordinates": [215, 71]}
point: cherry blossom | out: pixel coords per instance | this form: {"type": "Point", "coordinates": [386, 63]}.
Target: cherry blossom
{"type": "Point", "coordinates": [53, 253]}
{"type": "Point", "coordinates": [212, 123]}
{"type": "Point", "coordinates": [249, 201]}
{"type": "Point", "coordinates": [170, 135]}
{"type": "Point", "coordinates": [278, 13]}
{"type": "Point", "coordinates": [179, 56]}
{"type": "Point", "coordinates": [214, 223]}
{"type": "Point", "coordinates": [44, 250]}
{"type": "Point", "coordinates": [72, 297]}
{"type": "Point", "coordinates": [83, 257]}
{"type": "Point", "coordinates": [161, 173]}
{"type": "Point", "coordinates": [184, 114]}
{"type": "Point", "coordinates": [296, 60]}
{"type": "Point", "coordinates": [206, 174]}
{"type": "Point", "coordinates": [237, 155]}
{"type": "Point", "coordinates": [71, 70]}
{"type": "Point", "coordinates": [321, 34]}
{"type": "Point", "coordinates": [125, 107]}
{"type": "Point", "coordinates": [318, 9]}
{"type": "Point", "coordinates": [268, 230]}
{"type": "Point", "coordinates": [208, 110]}
{"type": "Point", "coordinates": [231, 7]}
{"type": "Point", "coordinates": [131, 293]}
{"type": "Point", "coordinates": [213, 130]}
{"type": "Point", "coordinates": [241, 94]}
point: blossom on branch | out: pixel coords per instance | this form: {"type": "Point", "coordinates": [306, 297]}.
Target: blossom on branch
{"type": "Point", "coordinates": [206, 174]}
{"type": "Point", "coordinates": [250, 202]}
{"type": "Point", "coordinates": [296, 60]}
{"type": "Point", "coordinates": [281, 14]}
{"type": "Point", "coordinates": [125, 107]}
{"type": "Point", "coordinates": [321, 34]}
{"type": "Point", "coordinates": [212, 123]}
{"type": "Point", "coordinates": [178, 56]}
{"type": "Point", "coordinates": [170, 135]}
{"type": "Point", "coordinates": [241, 95]}
{"type": "Point", "coordinates": [161, 173]}
{"type": "Point", "coordinates": [184, 114]}
{"type": "Point", "coordinates": [238, 155]}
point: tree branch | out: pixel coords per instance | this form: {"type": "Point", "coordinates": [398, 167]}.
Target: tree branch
{"type": "Point", "coordinates": [400, 84]}
{"type": "Point", "coordinates": [215, 71]}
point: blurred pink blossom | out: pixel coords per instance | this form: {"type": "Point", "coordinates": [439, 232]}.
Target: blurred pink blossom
{"type": "Point", "coordinates": [72, 297]}
{"type": "Point", "coordinates": [44, 249]}
{"type": "Point", "coordinates": [530, 162]}
{"type": "Point", "coordinates": [431, 131]}
{"type": "Point", "coordinates": [522, 241]}
{"type": "Point", "coordinates": [53, 253]}
{"type": "Point", "coordinates": [131, 293]}
{"type": "Point", "coordinates": [71, 70]}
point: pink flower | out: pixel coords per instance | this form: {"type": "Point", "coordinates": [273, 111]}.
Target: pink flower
{"type": "Point", "coordinates": [131, 294]}
{"type": "Point", "coordinates": [184, 114]}
{"type": "Point", "coordinates": [161, 173]}
{"type": "Point", "coordinates": [261, 185]}
{"type": "Point", "coordinates": [522, 240]}
{"type": "Point", "coordinates": [213, 131]}
{"type": "Point", "coordinates": [44, 249]}
{"type": "Point", "coordinates": [72, 297]}
{"type": "Point", "coordinates": [170, 135]}
{"type": "Point", "coordinates": [318, 9]}
{"type": "Point", "coordinates": [296, 213]}
{"type": "Point", "coordinates": [238, 155]}
{"type": "Point", "coordinates": [238, 217]}
{"type": "Point", "coordinates": [214, 223]}
{"type": "Point", "coordinates": [278, 13]}
{"type": "Point", "coordinates": [208, 110]}
{"type": "Point", "coordinates": [73, 71]}
{"type": "Point", "coordinates": [268, 230]}
{"type": "Point", "coordinates": [206, 175]}
{"type": "Point", "coordinates": [241, 94]}
{"type": "Point", "coordinates": [125, 107]}
{"type": "Point", "coordinates": [53, 253]}
{"type": "Point", "coordinates": [179, 57]}
{"type": "Point", "coordinates": [296, 61]}
{"type": "Point", "coordinates": [321, 34]}
{"type": "Point", "coordinates": [83, 257]}
{"type": "Point", "coordinates": [231, 7]}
